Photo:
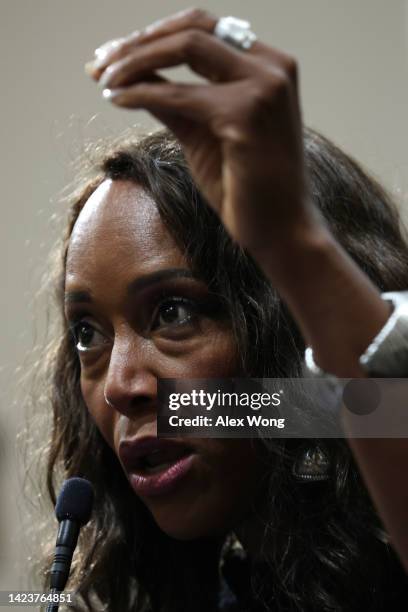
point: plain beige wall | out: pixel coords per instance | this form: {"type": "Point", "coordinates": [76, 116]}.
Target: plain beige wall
{"type": "Point", "coordinates": [353, 60]}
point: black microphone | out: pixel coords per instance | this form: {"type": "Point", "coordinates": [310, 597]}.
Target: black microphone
{"type": "Point", "coordinates": [73, 510]}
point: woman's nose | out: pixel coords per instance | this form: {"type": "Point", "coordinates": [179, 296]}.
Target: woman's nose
{"type": "Point", "coordinates": [130, 383]}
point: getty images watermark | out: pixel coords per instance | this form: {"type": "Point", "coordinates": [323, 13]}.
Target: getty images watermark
{"type": "Point", "coordinates": [283, 407]}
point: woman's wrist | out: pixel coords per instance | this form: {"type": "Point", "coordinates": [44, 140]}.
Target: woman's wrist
{"type": "Point", "coordinates": [298, 244]}
{"type": "Point", "coordinates": [337, 308]}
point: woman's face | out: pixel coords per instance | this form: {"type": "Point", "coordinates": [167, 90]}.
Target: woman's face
{"type": "Point", "coordinates": [138, 314]}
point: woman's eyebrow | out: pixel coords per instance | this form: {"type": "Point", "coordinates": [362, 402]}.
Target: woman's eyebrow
{"type": "Point", "coordinates": [77, 296]}
{"type": "Point", "coordinates": [156, 277]}
{"type": "Point", "coordinates": [138, 284]}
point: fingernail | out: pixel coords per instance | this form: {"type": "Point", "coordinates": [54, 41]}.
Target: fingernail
{"type": "Point", "coordinates": [104, 50]}
{"type": "Point", "coordinates": [89, 67]}
{"type": "Point", "coordinates": [112, 94]}
{"type": "Point", "coordinates": [107, 94]}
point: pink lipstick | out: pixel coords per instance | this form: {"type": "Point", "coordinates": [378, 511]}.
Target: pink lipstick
{"type": "Point", "coordinates": [155, 466]}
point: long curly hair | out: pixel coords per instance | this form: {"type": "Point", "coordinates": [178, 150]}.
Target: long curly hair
{"type": "Point", "coordinates": [324, 546]}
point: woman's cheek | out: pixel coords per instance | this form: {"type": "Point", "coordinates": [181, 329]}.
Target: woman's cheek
{"type": "Point", "coordinates": [215, 357]}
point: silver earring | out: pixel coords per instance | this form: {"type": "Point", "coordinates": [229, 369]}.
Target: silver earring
{"type": "Point", "coordinates": [311, 465]}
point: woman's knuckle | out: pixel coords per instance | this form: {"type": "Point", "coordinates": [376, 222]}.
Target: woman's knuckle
{"type": "Point", "coordinates": [263, 97]}
{"type": "Point", "coordinates": [255, 102]}
{"type": "Point", "coordinates": [282, 85]}
{"type": "Point", "coordinates": [265, 91]}
{"type": "Point", "coordinates": [196, 14]}
{"type": "Point", "coordinates": [191, 41]}
{"type": "Point", "coordinates": [277, 85]}
{"type": "Point", "coordinates": [177, 93]}
{"type": "Point", "coordinates": [291, 67]}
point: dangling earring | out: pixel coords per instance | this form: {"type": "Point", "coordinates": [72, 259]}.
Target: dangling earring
{"type": "Point", "coordinates": [311, 465]}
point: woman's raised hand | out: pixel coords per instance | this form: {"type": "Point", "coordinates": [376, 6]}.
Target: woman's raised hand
{"type": "Point", "coordinates": [241, 131]}
{"type": "Point", "coordinates": [240, 128]}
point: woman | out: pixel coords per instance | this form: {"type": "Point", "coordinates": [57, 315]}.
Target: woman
{"type": "Point", "coordinates": [141, 218]}
{"type": "Point", "coordinates": [154, 287]}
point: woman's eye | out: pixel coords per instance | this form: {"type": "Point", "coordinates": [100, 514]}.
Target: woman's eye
{"type": "Point", "coordinates": [174, 312]}
{"type": "Point", "coordinates": [86, 336]}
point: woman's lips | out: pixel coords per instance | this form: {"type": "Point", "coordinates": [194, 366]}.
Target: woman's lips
{"type": "Point", "coordinates": [165, 481]}
{"type": "Point", "coordinates": [155, 466]}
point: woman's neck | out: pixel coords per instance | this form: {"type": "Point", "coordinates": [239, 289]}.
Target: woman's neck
{"type": "Point", "coordinates": [251, 534]}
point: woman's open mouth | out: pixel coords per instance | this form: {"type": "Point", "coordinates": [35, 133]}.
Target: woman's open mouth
{"type": "Point", "coordinates": [155, 466]}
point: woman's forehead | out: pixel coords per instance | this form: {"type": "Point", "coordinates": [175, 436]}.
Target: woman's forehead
{"type": "Point", "coordinates": [116, 205]}
{"type": "Point", "coordinates": [119, 224]}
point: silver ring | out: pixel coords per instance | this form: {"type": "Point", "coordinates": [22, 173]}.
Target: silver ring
{"type": "Point", "coordinates": [236, 32]}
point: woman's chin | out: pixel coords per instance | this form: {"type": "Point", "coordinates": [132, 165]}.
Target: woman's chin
{"type": "Point", "coordinates": [189, 523]}
{"type": "Point", "coordinates": [179, 532]}
{"type": "Point", "coordinates": [181, 528]}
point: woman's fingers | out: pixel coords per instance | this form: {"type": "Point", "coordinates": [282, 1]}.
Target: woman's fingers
{"type": "Point", "coordinates": [179, 99]}
{"type": "Point", "coordinates": [191, 19]}
{"type": "Point", "coordinates": [202, 52]}
{"type": "Point", "coordinates": [186, 19]}
{"type": "Point", "coordinates": [119, 60]}
{"type": "Point", "coordinates": [182, 112]}
{"type": "Point", "coordinates": [250, 93]}
{"type": "Point", "coordinates": [116, 49]}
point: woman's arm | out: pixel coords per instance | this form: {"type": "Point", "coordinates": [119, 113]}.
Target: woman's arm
{"type": "Point", "coordinates": [241, 131]}
{"type": "Point", "coordinates": [242, 134]}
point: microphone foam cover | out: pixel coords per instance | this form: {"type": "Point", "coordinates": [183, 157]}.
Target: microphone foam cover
{"type": "Point", "coordinates": [75, 500]}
